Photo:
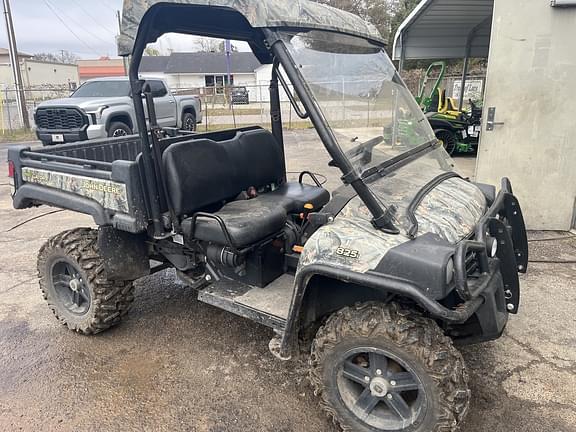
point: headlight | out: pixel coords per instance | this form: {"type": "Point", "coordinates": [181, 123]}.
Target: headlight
{"type": "Point", "coordinates": [97, 113]}
{"type": "Point", "coordinates": [449, 271]}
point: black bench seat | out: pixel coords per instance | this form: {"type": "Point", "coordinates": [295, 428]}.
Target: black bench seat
{"type": "Point", "coordinates": [203, 174]}
{"type": "Point", "coordinates": [249, 221]}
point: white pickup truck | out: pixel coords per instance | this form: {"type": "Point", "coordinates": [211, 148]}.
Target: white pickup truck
{"type": "Point", "coordinates": [103, 107]}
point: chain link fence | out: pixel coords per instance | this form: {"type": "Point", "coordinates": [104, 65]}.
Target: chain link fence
{"type": "Point", "coordinates": [241, 105]}
{"type": "Point", "coordinates": [10, 117]}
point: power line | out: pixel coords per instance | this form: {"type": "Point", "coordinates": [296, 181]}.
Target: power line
{"type": "Point", "coordinates": [92, 17]}
{"type": "Point", "coordinates": [78, 24]}
{"type": "Point", "coordinates": [69, 29]}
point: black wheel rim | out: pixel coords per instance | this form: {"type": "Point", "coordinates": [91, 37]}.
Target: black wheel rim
{"type": "Point", "coordinates": [119, 133]}
{"type": "Point", "coordinates": [70, 287]}
{"type": "Point", "coordinates": [381, 390]}
{"type": "Point", "coordinates": [190, 124]}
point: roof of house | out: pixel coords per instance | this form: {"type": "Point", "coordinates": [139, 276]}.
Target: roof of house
{"type": "Point", "coordinates": [154, 63]}
{"type": "Point", "coordinates": [5, 51]}
{"type": "Point", "coordinates": [200, 63]}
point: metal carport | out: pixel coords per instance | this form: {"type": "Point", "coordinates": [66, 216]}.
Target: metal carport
{"type": "Point", "coordinates": [446, 29]}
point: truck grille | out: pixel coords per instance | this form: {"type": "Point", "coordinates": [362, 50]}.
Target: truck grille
{"type": "Point", "coordinates": [60, 118]}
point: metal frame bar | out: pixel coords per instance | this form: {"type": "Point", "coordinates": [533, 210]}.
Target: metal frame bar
{"type": "Point", "coordinates": [381, 219]}
{"type": "Point", "coordinates": [136, 85]}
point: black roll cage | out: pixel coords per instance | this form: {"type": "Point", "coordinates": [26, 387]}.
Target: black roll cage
{"type": "Point", "coordinates": [147, 32]}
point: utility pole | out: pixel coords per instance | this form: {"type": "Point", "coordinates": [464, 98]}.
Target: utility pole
{"type": "Point", "coordinates": [124, 58]}
{"type": "Point", "coordinates": [13, 50]}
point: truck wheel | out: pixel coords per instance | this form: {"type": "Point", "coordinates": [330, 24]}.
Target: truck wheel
{"type": "Point", "coordinates": [382, 368]}
{"type": "Point", "coordinates": [74, 283]}
{"type": "Point", "coordinates": [189, 122]}
{"type": "Point", "coordinates": [448, 140]}
{"type": "Point", "coordinates": [119, 129]}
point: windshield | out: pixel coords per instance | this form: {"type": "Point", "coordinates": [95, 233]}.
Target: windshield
{"type": "Point", "coordinates": [103, 89]}
{"type": "Point", "coordinates": [364, 101]}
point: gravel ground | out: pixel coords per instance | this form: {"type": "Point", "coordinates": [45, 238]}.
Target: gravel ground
{"type": "Point", "coordinates": [178, 364]}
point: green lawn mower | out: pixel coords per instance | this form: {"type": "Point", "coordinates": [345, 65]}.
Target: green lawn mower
{"type": "Point", "coordinates": [459, 131]}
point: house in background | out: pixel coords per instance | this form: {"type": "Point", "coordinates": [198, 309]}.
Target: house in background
{"type": "Point", "coordinates": [39, 77]}
{"type": "Point", "coordinates": [5, 56]}
{"type": "Point", "coordinates": [206, 73]}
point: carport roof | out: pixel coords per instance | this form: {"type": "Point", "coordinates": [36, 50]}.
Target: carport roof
{"type": "Point", "coordinates": [442, 29]}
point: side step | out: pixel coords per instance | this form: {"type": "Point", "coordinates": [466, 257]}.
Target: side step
{"type": "Point", "coordinates": [268, 306]}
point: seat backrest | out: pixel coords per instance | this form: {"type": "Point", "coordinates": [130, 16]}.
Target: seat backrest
{"type": "Point", "coordinates": [202, 172]}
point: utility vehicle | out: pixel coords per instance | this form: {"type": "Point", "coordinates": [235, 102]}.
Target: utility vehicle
{"type": "Point", "coordinates": [376, 282]}
{"type": "Point", "coordinates": [102, 107]}
{"type": "Point", "coordinates": [457, 130]}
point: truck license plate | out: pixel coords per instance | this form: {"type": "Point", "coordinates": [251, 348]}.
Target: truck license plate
{"type": "Point", "coordinates": [58, 138]}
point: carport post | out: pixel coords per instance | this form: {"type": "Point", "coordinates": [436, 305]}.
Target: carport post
{"type": "Point", "coordinates": [464, 74]}
{"type": "Point", "coordinates": [402, 55]}
{"type": "Point", "coordinates": [471, 37]}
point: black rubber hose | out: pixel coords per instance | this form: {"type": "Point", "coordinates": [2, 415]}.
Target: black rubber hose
{"type": "Point", "coordinates": [32, 219]}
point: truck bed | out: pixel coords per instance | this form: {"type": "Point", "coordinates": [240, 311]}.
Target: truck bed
{"type": "Point", "coordinates": [102, 178]}
{"type": "Point", "coordinates": [104, 150]}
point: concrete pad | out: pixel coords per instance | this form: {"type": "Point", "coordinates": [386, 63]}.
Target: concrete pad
{"type": "Point", "coordinates": [176, 364]}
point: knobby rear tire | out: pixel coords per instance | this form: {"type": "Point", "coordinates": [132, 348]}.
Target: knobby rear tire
{"type": "Point", "coordinates": [109, 301]}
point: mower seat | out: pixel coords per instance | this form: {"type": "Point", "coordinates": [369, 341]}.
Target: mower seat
{"type": "Point", "coordinates": [247, 222]}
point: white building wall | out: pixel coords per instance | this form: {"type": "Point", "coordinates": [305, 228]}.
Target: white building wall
{"type": "Point", "coordinates": [263, 77]}
{"type": "Point", "coordinates": [42, 74]}
{"type": "Point", "coordinates": [532, 84]}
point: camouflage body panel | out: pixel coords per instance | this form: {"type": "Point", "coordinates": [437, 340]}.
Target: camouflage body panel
{"type": "Point", "coordinates": [302, 14]}
{"type": "Point", "coordinates": [110, 195]}
{"type": "Point", "coordinates": [451, 210]}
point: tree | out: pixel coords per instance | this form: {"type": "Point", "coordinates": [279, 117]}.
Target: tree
{"type": "Point", "coordinates": [213, 45]}
{"type": "Point", "coordinates": [402, 8]}
{"type": "Point", "coordinates": [385, 15]}
{"type": "Point", "coordinates": [63, 56]}
{"type": "Point", "coordinates": [377, 12]}
{"type": "Point", "coordinates": [151, 52]}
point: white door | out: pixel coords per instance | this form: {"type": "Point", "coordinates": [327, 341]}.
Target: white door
{"type": "Point", "coordinates": [531, 88]}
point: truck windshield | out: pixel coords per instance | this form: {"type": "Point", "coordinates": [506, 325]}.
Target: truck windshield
{"type": "Point", "coordinates": [103, 89]}
{"type": "Point", "coordinates": [371, 112]}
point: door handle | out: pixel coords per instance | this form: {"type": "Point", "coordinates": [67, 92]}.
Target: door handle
{"type": "Point", "coordinates": [490, 122]}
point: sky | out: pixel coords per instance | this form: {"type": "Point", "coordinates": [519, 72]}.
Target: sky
{"type": "Point", "coordinates": [87, 28]}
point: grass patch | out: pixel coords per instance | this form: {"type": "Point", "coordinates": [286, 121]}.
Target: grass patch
{"type": "Point", "coordinates": [237, 111]}
{"type": "Point", "coordinates": [17, 135]}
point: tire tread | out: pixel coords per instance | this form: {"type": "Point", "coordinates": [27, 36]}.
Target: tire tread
{"type": "Point", "coordinates": [111, 300]}
{"type": "Point", "coordinates": [418, 335]}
